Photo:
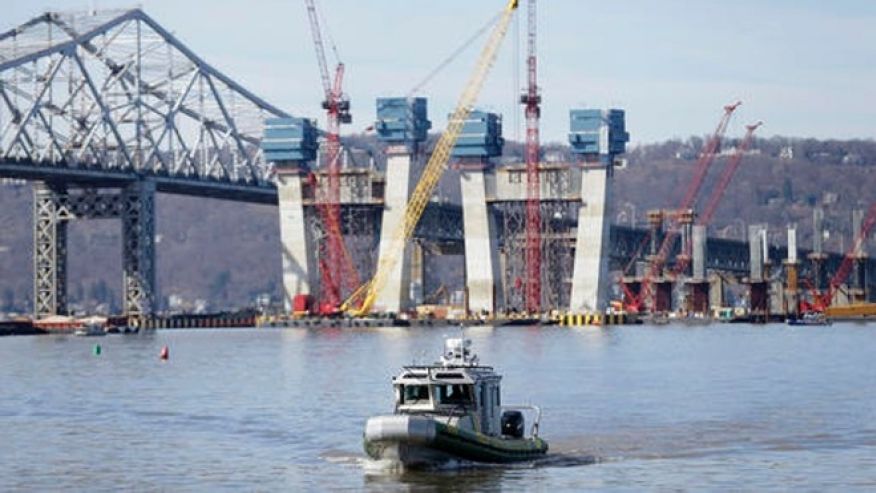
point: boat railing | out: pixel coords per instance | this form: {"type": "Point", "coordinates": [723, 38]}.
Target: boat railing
{"type": "Point", "coordinates": [528, 407]}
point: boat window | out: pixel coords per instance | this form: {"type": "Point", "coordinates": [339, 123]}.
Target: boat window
{"type": "Point", "coordinates": [416, 394]}
{"type": "Point", "coordinates": [454, 394]}
{"type": "Point", "coordinates": [448, 375]}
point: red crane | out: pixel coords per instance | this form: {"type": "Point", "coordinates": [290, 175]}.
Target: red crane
{"type": "Point", "coordinates": [707, 157]}
{"type": "Point", "coordinates": [334, 257]}
{"type": "Point", "coordinates": [532, 101]}
{"type": "Point", "coordinates": [727, 174]}
{"type": "Point", "coordinates": [820, 302]}
{"type": "Point", "coordinates": [721, 186]}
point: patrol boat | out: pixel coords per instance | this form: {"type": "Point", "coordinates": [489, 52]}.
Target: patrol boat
{"type": "Point", "coordinates": [451, 411]}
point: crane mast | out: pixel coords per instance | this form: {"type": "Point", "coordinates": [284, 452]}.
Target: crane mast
{"type": "Point", "coordinates": [531, 99]}
{"type": "Point", "coordinates": [335, 264]}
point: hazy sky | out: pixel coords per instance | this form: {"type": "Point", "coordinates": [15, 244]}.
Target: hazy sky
{"type": "Point", "coordinates": [805, 67]}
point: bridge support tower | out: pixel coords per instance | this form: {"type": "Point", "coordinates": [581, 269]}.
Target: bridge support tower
{"type": "Point", "coordinates": [598, 137]}
{"type": "Point", "coordinates": [792, 269]}
{"type": "Point", "coordinates": [858, 282]}
{"type": "Point", "coordinates": [698, 284]}
{"type": "Point", "coordinates": [55, 206]}
{"type": "Point", "coordinates": [817, 257]}
{"type": "Point", "coordinates": [291, 144]}
{"type": "Point", "coordinates": [481, 140]}
{"type": "Point", "coordinates": [402, 123]}
{"type": "Point", "coordinates": [758, 277]}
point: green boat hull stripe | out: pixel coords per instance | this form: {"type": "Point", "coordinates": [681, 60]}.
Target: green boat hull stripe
{"type": "Point", "coordinates": [477, 447]}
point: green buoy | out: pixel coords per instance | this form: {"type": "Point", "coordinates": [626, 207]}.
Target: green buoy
{"type": "Point", "coordinates": [97, 349]}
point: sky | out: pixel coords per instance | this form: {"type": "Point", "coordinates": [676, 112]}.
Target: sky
{"type": "Point", "coordinates": [807, 68]}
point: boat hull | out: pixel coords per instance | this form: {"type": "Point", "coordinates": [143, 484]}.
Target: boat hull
{"type": "Point", "coordinates": [422, 441]}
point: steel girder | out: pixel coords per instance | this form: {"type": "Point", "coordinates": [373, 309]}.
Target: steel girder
{"type": "Point", "coordinates": [113, 91]}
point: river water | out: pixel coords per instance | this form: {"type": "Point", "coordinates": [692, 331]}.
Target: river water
{"type": "Point", "coordinates": [723, 407]}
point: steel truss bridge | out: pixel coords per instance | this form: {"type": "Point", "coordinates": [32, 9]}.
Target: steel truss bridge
{"type": "Point", "coordinates": [104, 109]}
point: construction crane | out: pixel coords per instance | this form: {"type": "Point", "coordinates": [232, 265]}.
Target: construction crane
{"type": "Point", "coordinates": [724, 180]}
{"type": "Point", "coordinates": [824, 300]}
{"type": "Point", "coordinates": [707, 157]}
{"type": "Point", "coordinates": [335, 263]}
{"type": "Point", "coordinates": [362, 300]}
{"type": "Point", "coordinates": [727, 174]}
{"type": "Point", "coordinates": [531, 99]}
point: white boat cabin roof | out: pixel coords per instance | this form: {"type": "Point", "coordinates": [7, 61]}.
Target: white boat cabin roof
{"type": "Point", "coordinates": [458, 366]}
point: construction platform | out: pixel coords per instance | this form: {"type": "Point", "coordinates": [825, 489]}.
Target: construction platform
{"type": "Point", "coordinates": [857, 311]}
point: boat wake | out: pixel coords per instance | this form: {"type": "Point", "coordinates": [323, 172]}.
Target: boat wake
{"type": "Point", "coordinates": [378, 467]}
{"type": "Point", "coordinates": [567, 459]}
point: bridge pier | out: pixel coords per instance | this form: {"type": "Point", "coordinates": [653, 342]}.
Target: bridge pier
{"type": "Point", "coordinates": [698, 284]}
{"type": "Point", "coordinates": [49, 252]}
{"type": "Point", "coordinates": [758, 277]}
{"type": "Point", "coordinates": [402, 123]}
{"type": "Point", "coordinates": [138, 248]}
{"type": "Point", "coordinates": [483, 280]}
{"type": "Point", "coordinates": [395, 293]}
{"type": "Point", "coordinates": [55, 206]}
{"type": "Point", "coordinates": [299, 269]}
{"type": "Point", "coordinates": [598, 136]}
{"type": "Point", "coordinates": [590, 285]}
{"type": "Point", "coordinates": [480, 140]}
{"type": "Point", "coordinates": [291, 144]}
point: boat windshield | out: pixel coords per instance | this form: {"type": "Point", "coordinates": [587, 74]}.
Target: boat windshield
{"type": "Point", "coordinates": [416, 394]}
{"type": "Point", "coordinates": [454, 394]}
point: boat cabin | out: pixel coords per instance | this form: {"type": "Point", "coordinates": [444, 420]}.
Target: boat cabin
{"type": "Point", "coordinates": [456, 387]}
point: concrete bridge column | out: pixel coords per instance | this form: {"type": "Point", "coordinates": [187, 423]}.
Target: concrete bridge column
{"type": "Point", "coordinates": [402, 123]}
{"type": "Point", "coordinates": [291, 144]}
{"type": "Point", "coordinates": [698, 234]}
{"type": "Point", "coordinates": [590, 283]}
{"type": "Point", "coordinates": [298, 260]}
{"type": "Point", "coordinates": [698, 284]}
{"type": "Point", "coordinates": [395, 294]}
{"type": "Point", "coordinates": [598, 137]}
{"type": "Point", "coordinates": [759, 296]}
{"type": "Point", "coordinates": [482, 278]}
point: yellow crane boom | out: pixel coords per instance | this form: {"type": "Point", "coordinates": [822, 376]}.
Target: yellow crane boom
{"type": "Point", "coordinates": [434, 168]}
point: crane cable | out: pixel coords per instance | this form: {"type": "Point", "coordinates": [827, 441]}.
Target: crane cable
{"type": "Point", "coordinates": [452, 57]}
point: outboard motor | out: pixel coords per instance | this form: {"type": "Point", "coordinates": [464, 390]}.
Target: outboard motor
{"type": "Point", "coordinates": [512, 424]}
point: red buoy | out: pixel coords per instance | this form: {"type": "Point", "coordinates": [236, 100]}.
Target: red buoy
{"type": "Point", "coordinates": [165, 353]}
